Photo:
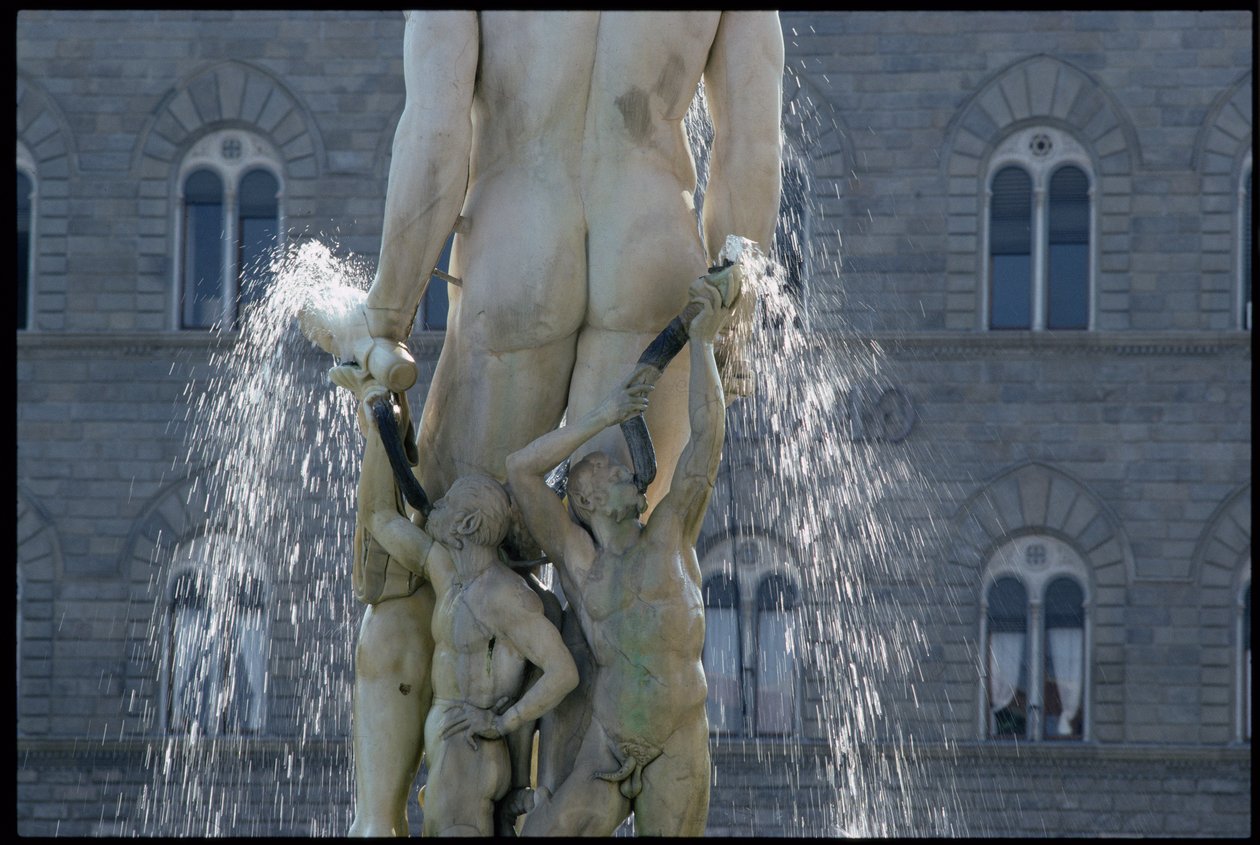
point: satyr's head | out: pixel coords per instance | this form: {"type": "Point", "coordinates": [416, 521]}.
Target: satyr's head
{"type": "Point", "coordinates": [600, 484]}
{"type": "Point", "coordinates": [475, 510]}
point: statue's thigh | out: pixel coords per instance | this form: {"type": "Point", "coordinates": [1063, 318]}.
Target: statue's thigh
{"type": "Point", "coordinates": [584, 805]}
{"type": "Point", "coordinates": [675, 796]}
{"type": "Point", "coordinates": [463, 784]}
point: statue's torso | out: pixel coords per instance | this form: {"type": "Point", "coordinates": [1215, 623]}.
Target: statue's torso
{"type": "Point", "coordinates": [643, 615]}
{"type": "Point", "coordinates": [469, 662]}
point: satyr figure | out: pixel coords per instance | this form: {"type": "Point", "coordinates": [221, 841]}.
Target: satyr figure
{"type": "Point", "coordinates": [636, 589]}
{"type": "Point", "coordinates": [488, 626]}
{"type": "Point", "coordinates": [553, 145]}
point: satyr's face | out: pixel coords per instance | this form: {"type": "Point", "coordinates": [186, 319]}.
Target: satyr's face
{"type": "Point", "coordinates": [622, 499]}
{"type": "Point", "coordinates": [442, 521]}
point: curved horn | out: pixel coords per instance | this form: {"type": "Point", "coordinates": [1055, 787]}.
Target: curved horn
{"type": "Point", "coordinates": [383, 411]}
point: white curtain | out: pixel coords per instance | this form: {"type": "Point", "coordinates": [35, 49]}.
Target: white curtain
{"type": "Point", "coordinates": [1006, 653]}
{"type": "Point", "coordinates": [190, 665]}
{"type": "Point", "coordinates": [251, 665]}
{"type": "Point", "coordinates": [1067, 652]}
{"type": "Point", "coordinates": [721, 668]}
{"type": "Point", "coordinates": [776, 674]}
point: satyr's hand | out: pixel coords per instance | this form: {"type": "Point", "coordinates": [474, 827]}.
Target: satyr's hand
{"type": "Point", "coordinates": [630, 398]}
{"type": "Point", "coordinates": [474, 722]}
{"type": "Point", "coordinates": [518, 801]}
{"type": "Point", "coordinates": [364, 387]}
{"type": "Point", "coordinates": [706, 324]}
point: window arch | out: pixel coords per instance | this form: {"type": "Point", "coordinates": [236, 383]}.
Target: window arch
{"type": "Point", "coordinates": [1036, 634]}
{"type": "Point", "coordinates": [1039, 213]}
{"type": "Point", "coordinates": [25, 234]}
{"type": "Point", "coordinates": [230, 215]}
{"type": "Point", "coordinates": [217, 641]}
{"type": "Point", "coordinates": [750, 656]}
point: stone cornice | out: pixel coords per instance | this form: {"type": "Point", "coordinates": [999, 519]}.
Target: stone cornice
{"type": "Point", "coordinates": [768, 751]}
{"type": "Point", "coordinates": [977, 344]}
{"type": "Point", "coordinates": [896, 344]}
{"type": "Point", "coordinates": [64, 750]}
{"type": "Point", "coordinates": [133, 343]}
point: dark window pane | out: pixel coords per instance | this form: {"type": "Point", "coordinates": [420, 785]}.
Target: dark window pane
{"type": "Point", "coordinates": [1062, 696]}
{"type": "Point", "coordinates": [1064, 604]}
{"type": "Point", "coordinates": [1008, 605]}
{"type": "Point", "coordinates": [1067, 277]}
{"type": "Point", "coordinates": [203, 250]}
{"type": "Point", "coordinates": [259, 230]}
{"type": "Point", "coordinates": [436, 302]}
{"type": "Point", "coordinates": [24, 191]}
{"type": "Point", "coordinates": [721, 591]}
{"type": "Point", "coordinates": [1010, 250]}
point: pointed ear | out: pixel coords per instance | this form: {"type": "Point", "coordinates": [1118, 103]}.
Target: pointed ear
{"type": "Point", "coordinates": [469, 523]}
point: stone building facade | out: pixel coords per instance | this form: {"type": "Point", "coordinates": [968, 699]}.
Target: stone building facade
{"type": "Point", "coordinates": [1033, 229]}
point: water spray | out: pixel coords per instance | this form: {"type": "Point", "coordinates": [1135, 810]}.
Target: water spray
{"type": "Point", "coordinates": [339, 326]}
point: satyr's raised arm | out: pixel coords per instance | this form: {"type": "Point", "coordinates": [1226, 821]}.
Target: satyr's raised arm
{"type": "Point", "coordinates": [428, 172]}
{"type": "Point", "coordinates": [743, 83]}
{"type": "Point", "coordinates": [545, 515]}
{"type": "Point", "coordinates": [380, 510]}
{"type": "Point", "coordinates": [696, 473]}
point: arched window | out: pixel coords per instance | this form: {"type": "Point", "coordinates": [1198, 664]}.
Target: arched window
{"type": "Point", "coordinates": [1036, 631]}
{"type": "Point", "coordinates": [217, 643]}
{"type": "Point", "coordinates": [1064, 659]}
{"type": "Point", "coordinates": [230, 225]}
{"type": "Point", "coordinates": [1008, 659]}
{"type": "Point", "coordinates": [1039, 236]}
{"type": "Point", "coordinates": [749, 648]}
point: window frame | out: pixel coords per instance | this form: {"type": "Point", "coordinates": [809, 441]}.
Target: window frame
{"type": "Point", "coordinates": [1010, 560]}
{"type": "Point", "coordinates": [208, 154]}
{"type": "Point", "coordinates": [1016, 151]}
{"type": "Point", "coordinates": [26, 166]}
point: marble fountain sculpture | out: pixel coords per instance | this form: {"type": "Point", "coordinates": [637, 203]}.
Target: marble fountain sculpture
{"type": "Point", "coordinates": [552, 145]}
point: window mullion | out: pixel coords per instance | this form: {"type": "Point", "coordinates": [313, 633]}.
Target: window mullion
{"type": "Point", "coordinates": [1041, 235]}
{"type": "Point", "coordinates": [985, 713]}
{"type": "Point", "coordinates": [231, 273]}
{"type": "Point", "coordinates": [1036, 669]}
{"type": "Point", "coordinates": [748, 663]}
{"type": "Point", "coordinates": [1087, 673]}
